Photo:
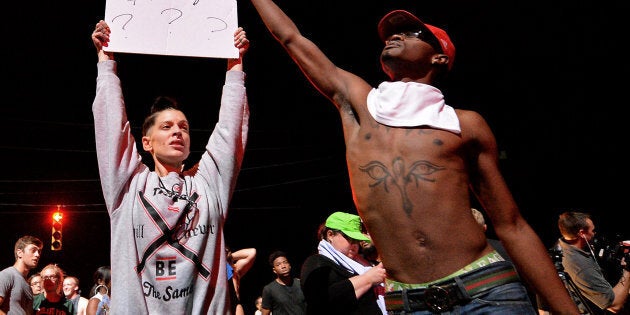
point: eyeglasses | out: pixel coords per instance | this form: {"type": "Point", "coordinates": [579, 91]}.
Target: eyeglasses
{"type": "Point", "coordinates": [419, 34]}
{"type": "Point", "coordinates": [409, 34]}
{"type": "Point", "coordinates": [53, 277]}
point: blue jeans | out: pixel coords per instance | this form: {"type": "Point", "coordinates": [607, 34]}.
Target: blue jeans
{"type": "Point", "coordinates": [507, 299]}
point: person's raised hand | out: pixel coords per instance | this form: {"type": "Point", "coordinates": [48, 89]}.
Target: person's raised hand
{"type": "Point", "coordinates": [240, 41]}
{"type": "Point", "coordinates": [100, 38]}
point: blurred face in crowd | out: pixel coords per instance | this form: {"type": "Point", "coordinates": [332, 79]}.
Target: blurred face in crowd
{"type": "Point", "coordinates": [589, 232]}
{"type": "Point", "coordinates": [29, 255]}
{"type": "Point", "coordinates": [344, 244]}
{"type": "Point", "coordinates": [36, 284]}
{"type": "Point", "coordinates": [281, 266]}
{"type": "Point", "coordinates": [51, 279]}
{"type": "Point", "coordinates": [70, 287]}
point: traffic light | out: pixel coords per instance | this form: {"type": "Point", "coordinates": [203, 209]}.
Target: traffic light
{"type": "Point", "coordinates": [55, 242]}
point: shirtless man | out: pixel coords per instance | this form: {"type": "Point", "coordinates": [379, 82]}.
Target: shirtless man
{"type": "Point", "coordinates": [412, 166]}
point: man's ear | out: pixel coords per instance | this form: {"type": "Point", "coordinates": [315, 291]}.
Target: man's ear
{"type": "Point", "coordinates": [146, 144]}
{"type": "Point", "coordinates": [581, 234]}
{"type": "Point", "coordinates": [440, 59]}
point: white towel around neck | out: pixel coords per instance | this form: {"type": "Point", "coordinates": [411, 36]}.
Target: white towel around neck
{"type": "Point", "coordinates": [411, 104]}
{"type": "Point", "coordinates": [324, 248]}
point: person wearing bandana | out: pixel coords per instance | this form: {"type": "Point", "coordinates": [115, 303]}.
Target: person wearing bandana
{"type": "Point", "coordinates": [337, 280]}
{"type": "Point", "coordinates": [415, 165]}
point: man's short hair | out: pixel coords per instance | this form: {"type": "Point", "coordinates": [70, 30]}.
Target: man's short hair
{"type": "Point", "coordinates": [73, 278]}
{"type": "Point", "coordinates": [275, 255]}
{"type": "Point", "coordinates": [571, 222]}
{"type": "Point", "coordinates": [24, 241]}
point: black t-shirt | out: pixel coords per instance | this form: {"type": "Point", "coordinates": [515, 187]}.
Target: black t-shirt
{"type": "Point", "coordinates": [284, 299]}
{"type": "Point", "coordinates": [328, 289]}
{"type": "Point", "coordinates": [61, 307]}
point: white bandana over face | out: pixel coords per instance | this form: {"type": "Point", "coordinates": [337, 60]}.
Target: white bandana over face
{"type": "Point", "coordinates": [411, 104]}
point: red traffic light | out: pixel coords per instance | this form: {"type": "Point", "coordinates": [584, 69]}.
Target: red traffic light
{"type": "Point", "coordinates": [56, 236]}
{"type": "Point", "coordinates": [57, 216]}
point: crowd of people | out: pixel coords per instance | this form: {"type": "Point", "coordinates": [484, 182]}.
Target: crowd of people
{"type": "Point", "coordinates": [413, 160]}
{"type": "Point", "coordinates": [26, 290]}
{"type": "Point", "coordinates": [343, 276]}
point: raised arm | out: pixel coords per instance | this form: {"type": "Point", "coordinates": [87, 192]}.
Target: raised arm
{"type": "Point", "coordinates": [244, 260]}
{"type": "Point", "coordinates": [221, 162]}
{"type": "Point", "coordinates": [327, 78]}
{"type": "Point", "coordinates": [100, 38]}
{"type": "Point", "coordinates": [242, 43]}
{"type": "Point", "coordinates": [117, 154]}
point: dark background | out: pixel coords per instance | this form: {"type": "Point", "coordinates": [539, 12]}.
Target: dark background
{"type": "Point", "coordinates": [549, 77]}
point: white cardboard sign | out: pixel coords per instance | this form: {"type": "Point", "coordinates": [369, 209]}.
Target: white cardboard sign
{"type": "Point", "coordinates": [197, 28]}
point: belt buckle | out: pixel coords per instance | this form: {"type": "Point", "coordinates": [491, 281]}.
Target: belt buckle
{"type": "Point", "coordinates": [437, 299]}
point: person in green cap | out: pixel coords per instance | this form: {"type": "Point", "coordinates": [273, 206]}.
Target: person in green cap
{"type": "Point", "coordinates": [337, 280]}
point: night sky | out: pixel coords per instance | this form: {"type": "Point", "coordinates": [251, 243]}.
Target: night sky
{"type": "Point", "coordinates": [549, 78]}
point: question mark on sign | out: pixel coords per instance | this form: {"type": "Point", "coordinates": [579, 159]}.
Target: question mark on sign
{"type": "Point", "coordinates": [173, 20]}
{"type": "Point", "coordinates": [217, 26]}
{"type": "Point", "coordinates": [127, 22]}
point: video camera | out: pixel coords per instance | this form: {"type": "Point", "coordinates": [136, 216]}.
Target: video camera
{"type": "Point", "coordinates": [555, 253]}
{"type": "Point", "coordinates": [609, 251]}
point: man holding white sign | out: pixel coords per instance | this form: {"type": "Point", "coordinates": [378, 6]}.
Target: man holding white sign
{"type": "Point", "coordinates": [167, 244]}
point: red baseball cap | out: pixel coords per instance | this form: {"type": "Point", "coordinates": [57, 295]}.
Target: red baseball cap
{"type": "Point", "coordinates": [401, 21]}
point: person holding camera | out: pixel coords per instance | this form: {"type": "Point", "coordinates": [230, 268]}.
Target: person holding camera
{"type": "Point", "coordinates": [578, 230]}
